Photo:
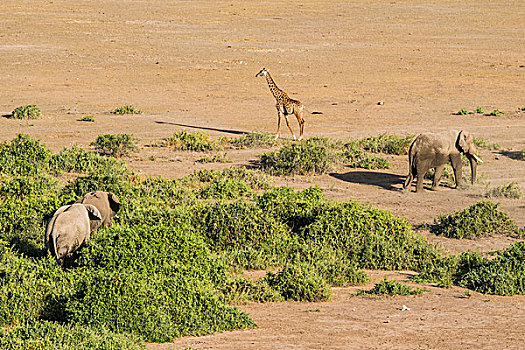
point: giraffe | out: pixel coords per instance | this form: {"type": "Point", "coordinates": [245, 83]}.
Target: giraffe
{"type": "Point", "coordinates": [285, 105]}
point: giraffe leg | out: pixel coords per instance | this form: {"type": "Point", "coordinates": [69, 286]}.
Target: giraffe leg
{"type": "Point", "coordinates": [288, 125]}
{"type": "Point", "coordinates": [300, 120]}
{"type": "Point", "coordinates": [278, 125]}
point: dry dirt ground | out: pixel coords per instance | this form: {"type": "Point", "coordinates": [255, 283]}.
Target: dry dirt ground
{"type": "Point", "coordinates": [192, 64]}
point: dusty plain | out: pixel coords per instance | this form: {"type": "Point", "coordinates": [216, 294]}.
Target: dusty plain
{"type": "Point", "coordinates": [192, 64]}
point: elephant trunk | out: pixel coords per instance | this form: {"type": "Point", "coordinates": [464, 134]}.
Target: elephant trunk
{"type": "Point", "coordinates": [473, 167]}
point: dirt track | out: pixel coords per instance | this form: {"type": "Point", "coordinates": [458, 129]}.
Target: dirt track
{"type": "Point", "coordinates": [192, 64]}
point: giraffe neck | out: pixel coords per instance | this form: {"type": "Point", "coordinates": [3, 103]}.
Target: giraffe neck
{"type": "Point", "coordinates": [277, 93]}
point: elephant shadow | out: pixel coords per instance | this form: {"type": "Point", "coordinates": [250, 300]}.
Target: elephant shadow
{"type": "Point", "coordinates": [371, 178]}
{"type": "Point", "coordinates": [516, 155]}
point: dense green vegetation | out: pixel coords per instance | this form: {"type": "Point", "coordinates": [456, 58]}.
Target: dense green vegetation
{"type": "Point", "coordinates": [26, 112]}
{"type": "Point", "coordinates": [115, 145]}
{"type": "Point", "coordinates": [126, 109]}
{"type": "Point", "coordinates": [480, 219]}
{"type": "Point", "coordinates": [175, 262]}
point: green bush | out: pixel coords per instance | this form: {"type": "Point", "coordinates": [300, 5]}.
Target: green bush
{"type": "Point", "coordinates": [496, 113]}
{"type": "Point", "coordinates": [313, 156]}
{"type": "Point", "coordinates": [510, 190]}
{"type": "Point", "coordinates": [216, 158]}
{"type": "Point", "coordinates": [80, 161]}
{"type": "Point", "coordinates": [191, 141]}
{"type": "Point", "coordinates": [503, 275]}
{"type": "Point", "coordinates": [153, 307]}
{"type": "Point", "coordinates": [392, 288]}
{"type": "Point", "coordinates": [225, 189]}
{"type": "Point", "coordinates": [115, 145]}
{"type": "Point", "coordinates": [87, 118]}
{"type": "Point", "coordinates": [59, 336]}
{"type": "Point", "coordinates": [240, 290]}
{"type": "Point", "coordinates": [480, 219]}
{"type": "Point", "coordinates": [23, 156]}
{"type": "Point", "coordinates": [386, 143]}
{"type": "Point", "coordinates": [485, 143]}
{"type": "Point", "coordinates": [462, 111]}
{"type": "Point", "coordinates": [299, 283]}
{"type": "Point", "coordinates": [126, 109]}
{"type": "Point", "coordinates": [26, 112]}
{"type": "Point", "coordinates": [251, 140]}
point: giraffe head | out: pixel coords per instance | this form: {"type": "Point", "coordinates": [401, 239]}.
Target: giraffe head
{"type": "Point", "coordinates": [263, 72]}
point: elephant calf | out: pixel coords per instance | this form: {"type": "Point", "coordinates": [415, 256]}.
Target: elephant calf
{"type": "Point", "coordinates": [107, 204]}
{"type": "Point", "coordinates": [434, 150]}
{"type": "Point", "coordinates": [69, 229]}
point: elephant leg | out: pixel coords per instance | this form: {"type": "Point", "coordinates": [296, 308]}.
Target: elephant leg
{"type": "Point", "coordinates": [421, 171]}
{"type": "Point", "coordinates": [408, 181]}
{"type": "Point", "coordinates": [437, 176]}
{"type": "Point", "coordinates": [457, 166]}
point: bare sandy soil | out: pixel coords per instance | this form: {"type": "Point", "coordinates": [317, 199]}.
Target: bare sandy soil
{"type": "Point", "coordinates": [192, 64]}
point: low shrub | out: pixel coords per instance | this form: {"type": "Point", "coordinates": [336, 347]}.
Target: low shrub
{"type": "Point", "coordinates": [503, 275]}
{"type": "Point", "coordinates": [80, 161]}
{"type": "Point", "coordinates": [387, 143]}
{"type": "Point", "coordinates": [46, 335]}
{"type": "Point", "coordinates": [87, 118]}
{"type": "Point", "coordinates": [240, 290]}
{"type": "Point", "coordinates": [256, 179]}
{"type": "Point", "coordinates": [115, 145]}
{"type": "Point", "coordinates": [485, 143]}
{"type": "Point", "coordinates": [510, 190]}
{"type": "Point", "coordinates": [250, 140]}
{"type": "Point", "coordinates": [225, 189]}
{"type": "Point", "coordinates": [26, 112]}
{"type": "Point", "coordinates": [313, 156]}
{"type": "Point", "coordinates": [216, 158]}
{"type": "Point", "coordinates": [299, 283]}
{"type": "Point", "coordinates": [191, 141]}
{"type": "Point", "coordinates": [126, 109]}
{"type": "Point", "coordinates": [496, 113]}
{"type": "Point", "coordinates": [23, 156]}
{"type": "Point", "coordinates": [391, 288]}
{"type": "Point", "coordinates": [462, 111]}
{"type": "Point", "coordinates": [480, 219]}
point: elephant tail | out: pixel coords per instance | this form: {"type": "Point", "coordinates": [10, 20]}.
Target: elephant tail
{"type": "Point", "coordinates": [411, 167]}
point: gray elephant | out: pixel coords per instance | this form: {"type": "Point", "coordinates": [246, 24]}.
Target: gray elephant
{"type": "Point", "coordinates": [434, 150]}
{"type": "Point", "coordinates": [107, 204]}
{"type": "Point", "coordinates": [69, 229]}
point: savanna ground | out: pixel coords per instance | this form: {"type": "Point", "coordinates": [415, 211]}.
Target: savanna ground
{"type": "Point", "coordinates": [192, 64]}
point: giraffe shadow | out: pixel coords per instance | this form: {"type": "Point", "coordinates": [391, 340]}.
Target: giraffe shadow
{"type": "Point", "coordinates": [371, 178]}
{"type": "Point", "coordinates": [227, 131]}
{"type": "Point", "coordinates": [516, 155]}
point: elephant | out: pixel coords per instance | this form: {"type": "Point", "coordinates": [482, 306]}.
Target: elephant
{"type": "Point", "coordinates": [434, 150]}
{"type": "Point", "coordinates": [107, 204]}
{"type": "Point", "coordinates": [70, 229]}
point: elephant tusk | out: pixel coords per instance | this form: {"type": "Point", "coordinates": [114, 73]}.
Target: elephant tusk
{"type": "Point", "coordinates": [478, 159]}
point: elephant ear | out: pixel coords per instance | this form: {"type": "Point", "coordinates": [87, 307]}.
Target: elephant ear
{"type": "Point", "coordinates": [463, 138]}
{"type": "Point", "coordinates": [93, 212]}
{"type": "Point", "coordinates": [114, 203]}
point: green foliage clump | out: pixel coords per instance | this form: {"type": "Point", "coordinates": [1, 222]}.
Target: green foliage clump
{"type": "Point", "coordinates": [216, 158]}
{"type": "Point", "coordinates": [485, 143]}
{"type": "Point", "coordinates": [23, 156]}
{"type": "Point", "coordinates": [126, 109]}
{"type": "Point", "coordinates": [510, 190]}
{"type": "Point", "coordinates": [387, 143]}
{"type": "Point", "coordinates": [250, 140]}
{"type": "Point", "coordinates": [503, 275]}
{"type": "Point", "coordinates": [496, 113]}
{"type": "Point", "coordinates": [358, 158]}
{"type": "Point", "coordinates": [115, 145]}
{"type": "Point", "coordinates": [313, 156]}
{"type": "Point", "coordinates": [462, 111]}
{"type": "Point", "coordinates": [87, 118]}
{"type": "Point", "coordinates": [46, 335]}
{"type": "Point", "coordinates": [480, 219]}
{"type": "Point", "coordinates": [391, 288]}
{"type": "Point", "coordinates": [479, 110]}
{"type": "Point", "coordinates": [239, 290]}
{"type": "Point", "coordinates": [225, 189]}
{"type": "Point", "coordinates": [300, 283]}
{"type": "Point", "coordinates": [191, 141]}
{"type": "Point", "coordinates": [256, 179]}
{"type": "Point", "coordinates": [78, 160]}
{"type": "Point", "coordinates": [26, 112]}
